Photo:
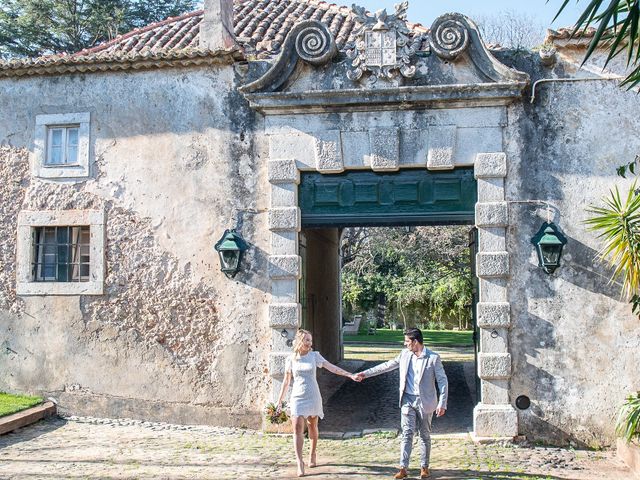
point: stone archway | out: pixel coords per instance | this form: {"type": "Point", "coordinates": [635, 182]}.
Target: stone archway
{"type": "Point", "coordinates": [494, 416]}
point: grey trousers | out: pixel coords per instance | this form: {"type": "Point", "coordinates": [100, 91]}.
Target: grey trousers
{"type": "Point", "coordinates": [414, 419]}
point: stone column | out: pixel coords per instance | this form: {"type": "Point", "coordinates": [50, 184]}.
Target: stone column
{"type": "Point", "coordinates": [494, 416]}
{"type": "Point", "coordinates": [284, 263]}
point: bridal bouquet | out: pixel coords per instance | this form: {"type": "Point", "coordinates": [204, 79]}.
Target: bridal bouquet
{"type": "Point", "coordinates": [275, 415]}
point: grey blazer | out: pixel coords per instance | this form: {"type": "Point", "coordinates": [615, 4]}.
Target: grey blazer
{"type": "Point", "coordinates": [432, 371]}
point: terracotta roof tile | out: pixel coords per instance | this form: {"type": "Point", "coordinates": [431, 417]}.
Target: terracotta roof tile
{"type": "Point", "coordinates": [260, 27]}
{"type": "Point", "coordinates": [116, 61]}
{"type": "Point", "coordinates": [566, 38]}
{"type": "Point", "coordinates": [565, 33]}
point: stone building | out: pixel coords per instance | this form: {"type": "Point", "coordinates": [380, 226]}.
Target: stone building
{"type": "Point", "coordinates": [121, 167]}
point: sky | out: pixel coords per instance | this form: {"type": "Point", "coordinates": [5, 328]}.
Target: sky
{"type": "Point", "coordinates": [426, 11]}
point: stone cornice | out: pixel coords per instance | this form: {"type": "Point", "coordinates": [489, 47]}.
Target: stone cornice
{"type": "Point", "coordinates": [396, 98]}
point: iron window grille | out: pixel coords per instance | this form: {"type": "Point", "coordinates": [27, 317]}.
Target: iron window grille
{"type": "Point", "coordinates": [61, 254]}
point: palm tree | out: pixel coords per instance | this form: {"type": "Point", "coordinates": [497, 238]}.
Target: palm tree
{"type": "Point", "coordinates": [618, 223]}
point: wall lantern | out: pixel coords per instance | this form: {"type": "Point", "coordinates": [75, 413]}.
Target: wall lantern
{"type": "Point", "coordinates": [549, 242]}
{"type": "Point", "coordinates": [230, 248]}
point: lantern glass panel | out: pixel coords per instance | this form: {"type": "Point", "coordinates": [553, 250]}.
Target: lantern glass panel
{"type": "Point", "coordinates": [229, 259]}
{"type": "Point", "coordinates": [550, 254]}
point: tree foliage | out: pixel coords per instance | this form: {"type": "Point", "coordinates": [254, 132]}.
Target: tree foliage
{"type": "Point", "coordinates": [616, 25]}
{"type": "Point", "coordinates": [39, 27]}
{"type": "Point", "coordinates": [421, 274]}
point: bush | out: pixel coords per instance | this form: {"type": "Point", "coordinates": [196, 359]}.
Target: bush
{"type": "Point", "coordinates": [628, 425]}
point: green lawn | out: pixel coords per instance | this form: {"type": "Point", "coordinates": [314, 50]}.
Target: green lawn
{"type": "Point", "coordinates": [431, 337]}
{"type": "Point", "coordinates": [14, 403]}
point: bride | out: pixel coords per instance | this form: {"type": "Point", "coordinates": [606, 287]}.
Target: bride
{"type": "Point", "coordinates": [306, 402]}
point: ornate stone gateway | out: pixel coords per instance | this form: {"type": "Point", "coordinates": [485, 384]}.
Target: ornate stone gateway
{"type": "Point", "coordinates": [434, 101]}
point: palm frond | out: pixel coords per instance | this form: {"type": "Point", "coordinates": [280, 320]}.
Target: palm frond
{"type": "Point", "coordinates": [618, 225]}
{"type": "Point", "coordinates": [628, 424]}
{"type": "Point", "coordinates": [618, 26]}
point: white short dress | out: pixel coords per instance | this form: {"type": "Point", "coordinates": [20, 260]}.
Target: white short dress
{"type": "Point", "coordinates": [305, 394]}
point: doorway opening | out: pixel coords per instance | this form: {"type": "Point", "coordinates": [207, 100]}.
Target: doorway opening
{"type": "Point", "coordinates": [382, 251]}
{"type": "Point", "coordinates": [362, 286]}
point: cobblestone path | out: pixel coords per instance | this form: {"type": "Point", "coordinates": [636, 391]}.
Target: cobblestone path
{"type": "Point", "coordinates": [122, 449]}
{"type": "Point", "coordinates": [373, 404]}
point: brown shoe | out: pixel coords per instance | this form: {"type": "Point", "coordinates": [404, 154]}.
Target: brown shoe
{"type": "Point", "coordinates": [401, 474]}
{"type": "Point", "coordinates": [424, 472]}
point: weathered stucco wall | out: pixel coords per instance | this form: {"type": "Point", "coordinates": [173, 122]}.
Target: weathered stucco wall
{"type": "Point", "coordinates": [175, 163]}
{"type": "Point", "coordinates": [575, 346]}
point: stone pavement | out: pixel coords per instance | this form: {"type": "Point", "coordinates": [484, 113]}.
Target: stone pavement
{"type": "Point", "coordinates": [85, 448]}
{"type": "Point", "coordinates": [373, 404]}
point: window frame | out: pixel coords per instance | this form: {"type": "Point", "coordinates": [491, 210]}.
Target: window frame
{"type": "Point", "coordinates": [45, 125]}
{"type": "Point", "coordinates": [64, 146]}
{"type": "Point", "coordinates": [75, 247]}
{"type": "Point", "coordinates": [26, 283]}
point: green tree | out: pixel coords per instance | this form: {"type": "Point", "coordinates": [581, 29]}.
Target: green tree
{"type": "Point", "coordinates": [39, 27]}
{"type": "Point", "coordinates": [422, 273]}
{"type": "Point", "coordinates": [616, 23]}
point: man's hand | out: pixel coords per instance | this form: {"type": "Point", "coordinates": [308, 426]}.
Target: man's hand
{"type": "Point", "coordinates": [358, 377]}
{"type": "Point", "coordinates": [440, 411]}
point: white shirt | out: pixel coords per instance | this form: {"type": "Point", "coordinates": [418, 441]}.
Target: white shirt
{"type": "Point", "coordinates": [412, 386]}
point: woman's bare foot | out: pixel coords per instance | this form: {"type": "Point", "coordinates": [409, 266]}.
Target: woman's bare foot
{"type": "Point", "coordinates": [301, 469]}
{"type": "Point", "coordinates": [312, 460]}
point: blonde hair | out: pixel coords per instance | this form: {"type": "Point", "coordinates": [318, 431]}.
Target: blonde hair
{"type": "Point", "coordinates": [297, 341]}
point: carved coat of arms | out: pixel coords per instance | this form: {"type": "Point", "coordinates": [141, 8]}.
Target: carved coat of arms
{"type": "Point", "coordinates": [384, 45]}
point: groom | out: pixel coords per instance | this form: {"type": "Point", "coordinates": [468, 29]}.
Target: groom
{"type": "Point", "coordinates": [420, 368]}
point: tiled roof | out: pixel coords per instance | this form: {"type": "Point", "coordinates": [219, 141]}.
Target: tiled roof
{"type": "Point", "coordinates": [566, 33]}
{"type": "Point", "coordinates": [565, 37]}
{"type": "Point", "coordinates": [101, 62]}
{"type": "Point", "coordinates": [260, 27]}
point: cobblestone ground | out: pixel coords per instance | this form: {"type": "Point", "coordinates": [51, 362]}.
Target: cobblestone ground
{"type": "Point", "coordinates": [373, 404]}
{"type": "Point", "coordinates": [111, 449]}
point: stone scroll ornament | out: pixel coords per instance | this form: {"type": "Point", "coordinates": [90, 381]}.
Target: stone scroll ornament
{"type": "Point", "coordinates": [449, 35]}
{"type": "Point", "coordinates": [383, 46]}
{"type": "Point", "coordinates": [310, 41]}
{"type": "Point", "coordinates": [452, 34]}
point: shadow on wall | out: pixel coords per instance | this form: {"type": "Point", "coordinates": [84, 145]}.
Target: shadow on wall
{"type": "Point", "coordinates": [547, 391]}
{"type": "Point", "coordinates": [254, 263]}
{"type": "Point", "coordinates": [540, 335]}
{"type": "Point", "coordinates": [581, 266]}
{"type": "Point", "coordinates": [532, 422]}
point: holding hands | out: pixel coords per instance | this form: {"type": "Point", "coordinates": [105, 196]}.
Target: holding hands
{"type": "Point", "coordinates": [357, 377]}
